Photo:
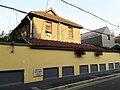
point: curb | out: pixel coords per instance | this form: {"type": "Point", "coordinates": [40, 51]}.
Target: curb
{"type": "Point", "coordinates": [86, 83]}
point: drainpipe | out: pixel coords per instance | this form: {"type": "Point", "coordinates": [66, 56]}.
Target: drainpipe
{"type": "Point", "coordinates": [31, 32]}
{"type": "Point", "coordinates": [60, 30]}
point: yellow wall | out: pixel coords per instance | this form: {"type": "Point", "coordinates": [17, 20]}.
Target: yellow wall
{"type": "Point", "coordinates": [30, 59]}
{"type": "Point", "coordinates": [39, 31]}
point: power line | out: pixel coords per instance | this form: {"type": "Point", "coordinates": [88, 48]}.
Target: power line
{"type": "Point", "coordinates": [47, 4]}
{"type": "Point", "coordinates": [98, 32]}
{"type": "Point", "coordinates": [13, 9]}
{"type": "Point", "coordinates": [45, 14]}
{"type": "Point", "coordinates": [90, 13]}
{"type": "Point", "coordinates": [59, 33]}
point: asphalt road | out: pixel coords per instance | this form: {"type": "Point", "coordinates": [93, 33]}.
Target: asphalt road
{"type": "Point", "coordinates": [113, 84]}
{"type": "Point", "coordinates": [110, 82]}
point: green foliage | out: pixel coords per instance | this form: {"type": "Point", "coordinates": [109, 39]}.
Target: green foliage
{"type": "Point", "coordinates": [15, 35]}
{"type": "Point", "coordinates": [4, 39]}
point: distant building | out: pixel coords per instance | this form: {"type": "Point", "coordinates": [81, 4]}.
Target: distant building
{"type": "Point", "coordinates": [117, 39]}
{"type": "Point", "coordinates": [99, 37]}
{"type": "Point", "coordinates": [117, 42]}
{"type": "Point", "coordinates": [116, 47]}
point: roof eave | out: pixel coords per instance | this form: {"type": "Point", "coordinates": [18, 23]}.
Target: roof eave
{"type": "Point", "coordinates": [76, 26]}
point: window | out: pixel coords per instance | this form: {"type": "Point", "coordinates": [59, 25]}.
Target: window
{"type": "Point", "coordinates": [108, 37]}
{"type": "Point", "coordinates": [102, 67]}
{"type": "Point", "coordinates": [50, 73]}
{"type": "Point", "coordinates": [25, 31]}
{"type": "Point", "coordinates": [84, 69]}
{"type": "Point", "coordinates": [70, 32]}
{"type": "Point", "coordinates": [94, 68]}
{"type": "Point", "coordinates": [68, 71]}
{"type": "Point", "coordinates": [48, 27]}
{"type": "Point", "coordinates": [117, 66]}
{"type": "Point", "coordinates": [111, 66]}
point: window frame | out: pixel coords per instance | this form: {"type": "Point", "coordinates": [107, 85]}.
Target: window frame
{"type": "Point", "coordinates": [70, 32]}
{"type": "Point", "coordinates": [101, 67]}
{"type": "Point", "coordinates": [108, 37]}
{"type": "Point", "coordinates": [49, 76]}
{"type": "Point", "coordinates": [70, 73]}
{"type": "Point", "coordinates": [117, 65]}
{"type": "Point", "coordinates": [111, 66]}
{"type": "Point", "coordinates": [85, 69]}
{"type": "Point", "coordinates": [25, 31]}
{"type": "Point", "coordinates": [47, 25]}
{"type": "Point", "coordinates": [93, 68]}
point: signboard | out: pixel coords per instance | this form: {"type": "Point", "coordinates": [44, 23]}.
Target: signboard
{"type": "Point", "coordinates": [38, 72]}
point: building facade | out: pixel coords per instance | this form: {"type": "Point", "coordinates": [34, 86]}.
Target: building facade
{"type": "Point", "coordinates": [45, 50]}
{"type": "Point", "coordinates": [99, 37]}
{"type": "Point", "coordinates": [41, 63]}
{"type": "Point", "coordinates": [47, 25]}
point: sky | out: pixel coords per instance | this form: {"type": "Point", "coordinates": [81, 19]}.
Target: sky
{"type": "Point", "coordinates": [106, 9]}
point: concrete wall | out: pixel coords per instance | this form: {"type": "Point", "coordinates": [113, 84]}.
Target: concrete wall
{"type": "Point", "coordinates": [108, 43]}
{"type": "Point", "coordinates": [30, 59]}
{"type": "Point", "coordinates": [39, 31]}
{"type": "Point", "coordinates": [95, 41]}
{"type": "Point", "coordinates": [99, 39]}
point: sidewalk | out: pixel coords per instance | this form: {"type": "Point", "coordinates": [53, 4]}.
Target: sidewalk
{"type": "Point", "coordinates": [86, 83]}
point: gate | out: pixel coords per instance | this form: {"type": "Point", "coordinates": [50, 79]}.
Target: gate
{"type": "Point", "coordinates": [12, 80]}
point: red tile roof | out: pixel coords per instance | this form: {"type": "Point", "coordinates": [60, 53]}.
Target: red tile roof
{"type": "Point", "coordinates": [67, 45]}
{"type": "Point", "coordinates": [55, 18]}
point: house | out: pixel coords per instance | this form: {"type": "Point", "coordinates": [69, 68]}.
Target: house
{"type": "Point", "coordinates": [47, 25]}
{"type": "Point", "coordinates": [117, 39]}
{"type": "Point", "coordinates": [36, 57]}
{"type": "Point", "coordinates": [117, 42]}
{"type": "Point", "coordinates": [99, 37]}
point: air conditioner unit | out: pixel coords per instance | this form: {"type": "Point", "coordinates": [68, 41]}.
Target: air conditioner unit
{"type": "Point", "coordinates": [79, 53]}
{"type": "Point", "coordinates": [98, 53]}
